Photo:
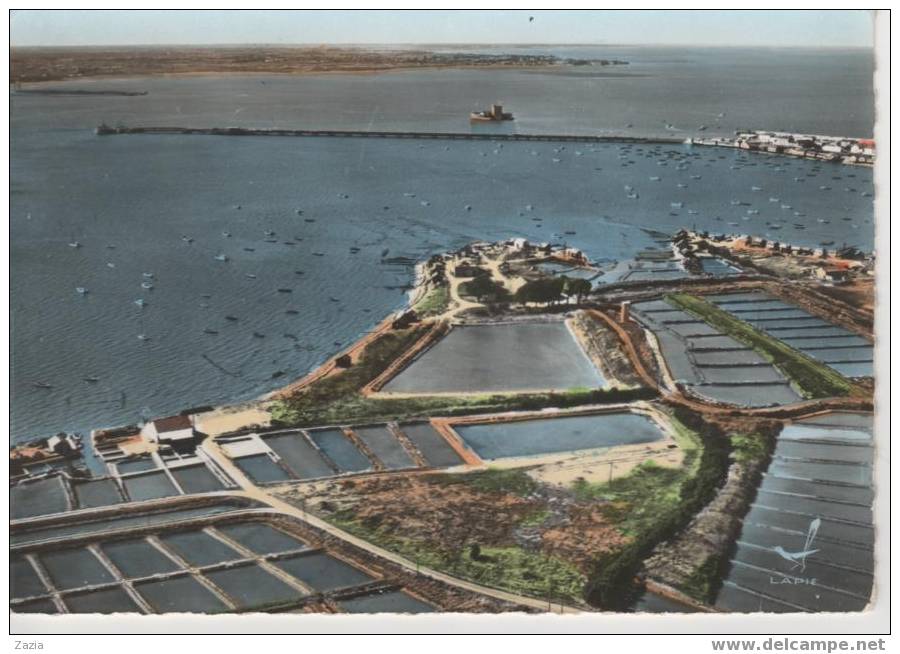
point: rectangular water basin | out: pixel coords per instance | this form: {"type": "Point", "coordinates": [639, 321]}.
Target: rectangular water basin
{"type": "Point", "coordinates": [322, 572]}
{"type": "Point", "coordinates": [827, 492]}
{"type": "Point", "coordinates": [500, 357]}
{"type": "Point", "coordinates": [393, 601]}
{"type": "Point", "coordinates": [138, 558]}
{"type": "Point", "coordinates": [261, 469]}
{"type": "Point", "coordinates": [98, 492]}
{"type": "Point", "coordinates": [196, 479]}
{"type": "Point", "coordinates": [385, 446]}
{"type": "Point", "coordinates": [431, 444]}
{"type": "Point", "coordinates": [299, 455]}
{"type": "Point", "coordinates": [250, 586]}
{"type": "Point", "coordinates": [139, 464]}
{"type": "Point", "coordinates": [106, 600]}
{"type": "Point", "coordinates": [38, 498]}
{"type": "Point", "coordinates": [260, 538]}
{"type": "Point", "coordinates": [180, 595]}
{"type": "Point", "coordinates": [149, 486]}
{"type": "Point", "coordinates": [45, 605]}
{"type": "Point", "coordinates": [341, 450]}
{"type": "Point", "coordinates": [564, 434]}
{"type": "Point", "coordinates": [766, 373]}
{"type": "Point", "coordinates": [74, 568]}
{"type": "Point", "coordinates": [801, 431]}
{"type": "Point", "coordinates": [728, 358]}
{"type": "Point", "coordinates": [23, 579]}
{"type": "Point", "coordinates": [749, 395]}
{"type": "Point", "coordinates": [845, 453]}
{"type": "Point", "coordinates": [833, 472]}
{"type": "Point", "coordinates": [198, 548]}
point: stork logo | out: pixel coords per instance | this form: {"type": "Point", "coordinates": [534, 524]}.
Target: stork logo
{"type": "Point", "coordinates": [797, 558]}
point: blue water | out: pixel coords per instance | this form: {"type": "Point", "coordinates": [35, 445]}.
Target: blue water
{"type": "Point", "coordinates": [535, 437]}
{"type": "Point", "coordinates": [142, 194]}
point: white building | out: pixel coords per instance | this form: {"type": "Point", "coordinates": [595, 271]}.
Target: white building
{"type": "Point", "coordinates": [171, 430]}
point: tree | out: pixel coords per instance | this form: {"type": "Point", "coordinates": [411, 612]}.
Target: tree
{"type": "Point", "coordinates": [577, 287]}
{"type": "Point", "coordinates": [484, 287]}
{"type": "Point", "coordinates": [543, 291]}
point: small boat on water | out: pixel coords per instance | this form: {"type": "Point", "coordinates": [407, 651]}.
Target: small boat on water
{"type": "Point", "coordinates": [756, 188]}
{"type": "Point", "coordinates": [292, 312]}
{"type": "Point", "coordinates": [143, 337]}
{"type": "Point", "coordinates": [824, 188]}
{"type": "Point", "coordinates": [210, 331]}
{"type": "Point", "coordinates": [752, 212]}
{"type": "Point", "coordinates": [187, 239]}
{"type": "Point", "coordinates": [309, 220]}
{"type": "Point", "coordinates": [148, 275]}
{"type": "Point", "coordinates": [231, 318]}
{"type": "Point", "coordinates": [110, 264]}
{"type": "Point", "coordinates": [226, 234]}
{"type": "Point", "coordinates": [735, 202]}
{"type": "Point", "coordinates": [269, 232]}
{"type": "Point", "coordinates": [318, 254]}
{"type": "Point", "coordinates": [91, 380]}
{"type": "Point", "coordinates": [468, 207]}
{"type": "Point", "coordinates": [285, 290]}
{"type": "Point", "coordinates": [774, 200]}
{"type": "Point", "coordinates": [693, 212]}
{"type": "Point", "coordinates": [75, 244]}
{"type": "Point", "coordinates": [249, 275]}
{"type": "Point", "coordinates": [633, 196]}
{"type": "Point", "coordinates": [655, 178]}
{"type": "Point", "coordinates": [147, 285]}
{"type": "Point", "coordinates": [40, 384]}
{"type": "Point", "coordinates": [676, 205]}
{"type": "Point", "coordinates": [220, 257]}
{"type": "Point", "coordinates": [249, 249]}
{"type": "Point", "coordinates": [81, 290]}
{"type": "Point", "coordinates": [140, 302]}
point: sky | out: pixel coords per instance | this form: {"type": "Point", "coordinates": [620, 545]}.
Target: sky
{"type": "Point", "coordinates": [701, 27]}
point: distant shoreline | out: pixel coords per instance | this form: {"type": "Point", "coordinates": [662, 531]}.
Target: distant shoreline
{"type": "Point", "coordinates": [29, 65]}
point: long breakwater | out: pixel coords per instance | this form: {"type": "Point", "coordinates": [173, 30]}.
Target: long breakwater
{"type": "Point", "coordinates": [453, 136]}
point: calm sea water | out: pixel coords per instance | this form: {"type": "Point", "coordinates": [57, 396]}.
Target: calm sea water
{"type": "Point", "coordinates": [129, 201]}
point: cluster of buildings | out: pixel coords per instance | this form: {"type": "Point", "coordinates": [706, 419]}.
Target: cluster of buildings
{"type": "Point", "coordinates": [811, 146]}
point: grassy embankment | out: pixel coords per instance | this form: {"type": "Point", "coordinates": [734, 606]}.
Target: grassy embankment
{"type": "Point", "coordinates": [653, 504]}
{"type": "Point", "coordinates": [507, 567]}
{"type": "Point", "coordinates": [336, 398]}
{"type": "Point", "coordinates": [434, 303]}
{"type": "Point", "coordinates": [812, 378]}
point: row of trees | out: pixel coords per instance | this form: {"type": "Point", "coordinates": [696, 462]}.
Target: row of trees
{"type": "Point", "coordinates": [547, 290]}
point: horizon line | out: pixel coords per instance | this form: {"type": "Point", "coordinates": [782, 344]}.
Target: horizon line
{"type": "Point", "coordinates": [518, 44]}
